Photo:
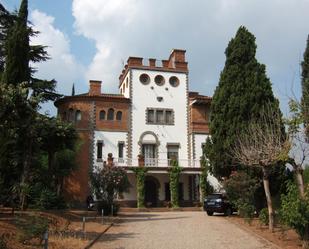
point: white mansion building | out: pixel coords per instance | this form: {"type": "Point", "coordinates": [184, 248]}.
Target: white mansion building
{"type": "Point", "coordinates": [153, 115]}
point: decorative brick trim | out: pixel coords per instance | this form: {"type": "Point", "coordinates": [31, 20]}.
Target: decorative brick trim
{"type": "Point", "coordinates": [140, 142]}
{"type": "Point", "coordinates": [193, 146]}
{"type": "Point", "coordinates": [106, 98]}
{"type": "Point", "coordinates": [130, 117]}
{"type": "Point", "coordinates": [92, 125]}
{"type": "Point", "coordinates": [188, 120]}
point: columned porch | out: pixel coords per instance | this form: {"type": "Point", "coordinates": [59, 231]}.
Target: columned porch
{"type": "Point", "coordinates": [157, 189]}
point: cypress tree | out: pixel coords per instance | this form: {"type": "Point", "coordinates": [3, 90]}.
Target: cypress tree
{"type": "Point", "coordinates": [17, 67]}
{"type": "Point", "coordinates": [6, 21]}
{"type": "Point", "coordinates": [18, 53]}
{"type": "Point", "coordinates": [242, 92]}
{"type": "Point", "coordinates": [305, 87]}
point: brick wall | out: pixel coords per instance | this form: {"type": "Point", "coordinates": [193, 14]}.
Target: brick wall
{"type": "Point", "coordinates": [199, 121]}
{"type": "Point", "coordinates": [112, 125]}
{"type": "Point", "coordinates": [76, 186]}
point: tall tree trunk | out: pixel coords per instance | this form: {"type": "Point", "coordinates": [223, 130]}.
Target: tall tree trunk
{"type": "Point", "coordinates": [25, 175]}
{"type": "Point", "coordinates": [301, 187]}
{"type": "Point", "coordinates": [306, 238]}
{"type": "Point", "coordinates": [268, 199]}
{"type": "Point", "coordinates": [59, 186]}
{"type": "Point", "coordinates": [24, 182]}
{"type": "Point", "coordinates": [300, 181]}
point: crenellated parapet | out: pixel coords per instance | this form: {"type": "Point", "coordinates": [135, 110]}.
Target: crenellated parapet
{"type": "Point", "coordinates": [175, 63]}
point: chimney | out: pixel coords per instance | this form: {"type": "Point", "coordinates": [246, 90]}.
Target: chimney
{"type": "Point", "coordinates": [165, 63]}
{"type": "Point", "coordinates": [178, 54]}
{"type": "Point", "coordinates": [178, 59]}
{"type": "Point", "coordinates": [135, 61]}
{"type": "Point", "coordinates": [95, 87]}
{"type": "Point", "coordinates": [152, 62]}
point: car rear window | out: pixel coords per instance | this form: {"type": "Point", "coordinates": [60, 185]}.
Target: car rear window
{"type": "Point", "coordinates": [214, 196]}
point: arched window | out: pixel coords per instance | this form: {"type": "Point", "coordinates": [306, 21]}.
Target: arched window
{"type": "Point", "coordinates": [71, 115]}
{"type": "Point", "coordinates": [119, 115]}
{"type": "Point", "coordinates": [110, 114]}
{"type": "Point", "coordinates": [102, 115]}
{"type": "Point", "coordinates": [78, 115]}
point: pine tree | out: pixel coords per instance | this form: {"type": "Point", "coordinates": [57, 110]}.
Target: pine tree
{"type": "Point", "coordinates": [305, 87]}
{"type": "Point", "coordinates": [242, 92]}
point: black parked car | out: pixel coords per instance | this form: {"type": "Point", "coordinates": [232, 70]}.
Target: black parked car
{"type": "Point", "coordinates": [218, 202]}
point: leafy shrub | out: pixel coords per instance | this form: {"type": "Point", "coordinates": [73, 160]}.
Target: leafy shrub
{"type": "Point", "coordinates": [174, 173]}
{"type": "Point", "coordinates": [246, 210]}
{"type": "Point", "coordinates": [206, 187]}
{"type": "Point", "coordinates": [295, 211]}
{"type": "Point", "coordinates": [31, 227]}
{"type": "Point", "coordinates": [107, 183]}
{"type": "Point", "coordinates": [140, 173]}
{"type": "Point", "coordinates": [48, 199]}
{"type": "Point", "coordinates": [263, 216]}
{"type": "Point", "coordinates": [240, 189]}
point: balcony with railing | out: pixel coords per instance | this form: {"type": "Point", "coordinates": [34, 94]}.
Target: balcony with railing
{"type": "Point", "coordinates": [155, 162]}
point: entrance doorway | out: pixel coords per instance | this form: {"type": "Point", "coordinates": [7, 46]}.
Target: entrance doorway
{"type": "Point", "coordinates": [151, 191]}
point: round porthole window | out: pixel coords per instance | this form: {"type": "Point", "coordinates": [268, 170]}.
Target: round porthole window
{"type": "Point", "coordinates": [144, 79]}
{"type": "Point", "coordinates": [159, 79]}
{"type": "Point", "coordinates": [174, 81]}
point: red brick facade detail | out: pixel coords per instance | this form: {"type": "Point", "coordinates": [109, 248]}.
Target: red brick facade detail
{"type": "Point", "coordinates": [76, 186]}
{"type": "Point", "coordinates": [199, 113]}
{"type": "Point", "coordinates": [112, 125]}
{"type": "Point", "coordinates": [175, 63]}
{"type": "Point", "coordinates": [95, 88]}
{"type": "Point", "coordinates": [88, 107]}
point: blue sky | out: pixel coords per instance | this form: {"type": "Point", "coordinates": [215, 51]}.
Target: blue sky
{"type": "Point", "coordinates": [61, 10]}
{"type": "Point", "coordinates": [89, 39]}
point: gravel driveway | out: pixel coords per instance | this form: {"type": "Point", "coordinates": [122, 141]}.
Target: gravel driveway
{"type": "Point", "coordinates": [177, 230]}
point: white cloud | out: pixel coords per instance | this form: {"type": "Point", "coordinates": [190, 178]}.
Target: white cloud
{"type": "Point", "coordinates": [152, 28]}
{"type": "Point", "coordinates": [62, 66]}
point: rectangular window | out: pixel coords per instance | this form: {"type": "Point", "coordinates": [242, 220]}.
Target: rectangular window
{"type": "Point", "coordinates": [99, 149]}
{"type": "Point", "coordinates": [120, 150]}
{"type": "Point", "coordinates": [168, 117]}
{"type": "Point", "coordinates": [149, 153]}
{"type": "Point", "coordinates": [172, 153]}
{"type": "Point", "coordinates": [150, 116]}
{"type": "Point", "coordinates": [160, 116]}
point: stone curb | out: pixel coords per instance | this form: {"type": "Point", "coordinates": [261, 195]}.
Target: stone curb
{"type": "Point", "coordinates": [253, 233]}
{"type": "Point", "coordinates": [91, 243]}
